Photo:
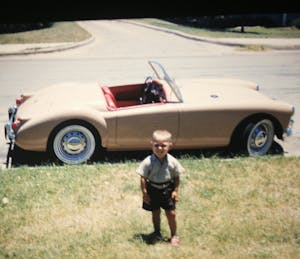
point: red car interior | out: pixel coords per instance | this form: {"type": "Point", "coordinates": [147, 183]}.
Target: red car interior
{"type": "Point", "coordinates": [124, 95]}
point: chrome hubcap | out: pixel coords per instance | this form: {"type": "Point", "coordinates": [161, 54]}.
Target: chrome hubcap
{"type": "Point", "coordinates": [74, 142]}
{"type": "Point", "coordinates": [259, 138]}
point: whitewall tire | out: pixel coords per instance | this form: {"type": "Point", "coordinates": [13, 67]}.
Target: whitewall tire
{"type": "Point", "coordinates": [258, 137]}
{"type": "Point", "coordinates": [74, 144]}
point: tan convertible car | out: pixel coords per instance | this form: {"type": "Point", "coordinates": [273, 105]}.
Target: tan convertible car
{"type": "Point", "coordinates": [73, 121]}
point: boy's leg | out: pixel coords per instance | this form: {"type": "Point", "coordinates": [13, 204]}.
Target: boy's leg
{"type": "Point", "coordinates": [156, 220]}
{"type": "Point", "coordinates": [171, 216]}
{"type": "Point", "coordinates": [156, 235]}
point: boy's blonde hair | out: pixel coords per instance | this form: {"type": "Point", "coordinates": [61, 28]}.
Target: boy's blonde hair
{"type": "Point", "coordinates": [162, 135]}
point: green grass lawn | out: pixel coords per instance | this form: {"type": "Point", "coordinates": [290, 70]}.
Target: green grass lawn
{"type": "Point", "coordinates": [250, 31]}
{"type": "Point", "coordinates": [229, 208]}
{"type": "Point", "coordinates": [58, 32]}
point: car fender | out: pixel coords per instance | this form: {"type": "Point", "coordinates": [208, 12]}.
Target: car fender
{"type": "Point", "coordinates": [35, 133]}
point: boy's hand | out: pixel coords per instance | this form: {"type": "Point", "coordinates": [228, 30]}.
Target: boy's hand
{"type": "Point", "coordinates": [175, 196]}
{"type": "Point", "coordinates": [146, 198]}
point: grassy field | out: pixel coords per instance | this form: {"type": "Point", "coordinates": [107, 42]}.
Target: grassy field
{"type": "Point", "coordinates": [229, 208]}
{"type": "Point", "coordinates": [59, 32]}
{"type": "Point", "coordinates": [250, 31]}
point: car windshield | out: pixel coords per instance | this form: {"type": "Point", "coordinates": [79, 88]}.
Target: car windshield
{"type": "Point", "coordinates": [161, 74]}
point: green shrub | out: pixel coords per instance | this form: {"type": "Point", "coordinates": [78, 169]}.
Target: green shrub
{"type": "Point", "coordinates": [20, 27]}
{"type": "Point", "coordinates": [296, 23]}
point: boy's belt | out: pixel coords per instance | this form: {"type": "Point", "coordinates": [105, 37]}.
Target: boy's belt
{"type": "Point", "coordinates": [160, 185]}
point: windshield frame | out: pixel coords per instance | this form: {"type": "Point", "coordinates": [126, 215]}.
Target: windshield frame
{"type": "Point", "coordinates": [162, 74]}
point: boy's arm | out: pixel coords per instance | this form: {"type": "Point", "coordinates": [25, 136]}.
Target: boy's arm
{"type": "Point", "coordinates": [175, 195]}
{"type": "Point", "coordinates": [146, 197]}
{"type": "Point", "coordinates": [143, 185]}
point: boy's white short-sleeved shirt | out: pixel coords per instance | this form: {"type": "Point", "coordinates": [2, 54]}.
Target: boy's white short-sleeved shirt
{"type": "Point", "coordinates": [151, 168]}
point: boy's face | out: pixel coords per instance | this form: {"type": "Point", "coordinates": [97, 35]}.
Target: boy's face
{"type": "Point", "coordinates": [160, 148]}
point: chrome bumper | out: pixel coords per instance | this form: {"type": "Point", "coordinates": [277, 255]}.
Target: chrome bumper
{"type": "Point", "coordinates": [8, 129]}
{"type": "Point", "coordinates": [288, 132]}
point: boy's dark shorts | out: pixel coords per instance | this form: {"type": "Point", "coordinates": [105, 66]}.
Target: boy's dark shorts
{"type": "Point", "coordinates": [160, 198]}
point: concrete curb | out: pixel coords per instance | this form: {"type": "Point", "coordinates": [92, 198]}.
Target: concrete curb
{"type": "Point", "coordinates": [38, 48]}
{"type": "Point", "coordinates": [276, 44]}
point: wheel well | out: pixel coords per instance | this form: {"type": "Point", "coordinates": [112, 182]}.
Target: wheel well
{"type": "Point", "coordinates": [241, 126]}
{"type": "Point", "coordinates": [72, 122]}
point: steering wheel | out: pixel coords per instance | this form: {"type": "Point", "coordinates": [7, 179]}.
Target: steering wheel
{"type": "Point", "coordinates": [148, 81]}
{"type": "Point", "coordinates": [153, 93]}
{"type": "Point", "coordinates": [148, 84]}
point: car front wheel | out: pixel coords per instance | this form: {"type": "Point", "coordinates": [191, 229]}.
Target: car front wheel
{"type": "Point", "coordinates": [258, 137]}
{"type": "Point", "coordinates": [74, 144]}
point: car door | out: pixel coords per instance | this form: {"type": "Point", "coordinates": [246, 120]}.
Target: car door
{"type": "Point", "coordinates": [207, 127]}
{"type": "Point", "coordinates": [135, 125]}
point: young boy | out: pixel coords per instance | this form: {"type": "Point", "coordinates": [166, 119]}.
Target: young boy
{"type": "Point", "coordinates": [159, 183]}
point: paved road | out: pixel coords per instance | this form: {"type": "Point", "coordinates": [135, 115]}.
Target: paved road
{"type": "Point", "coordinates": [120, 52]}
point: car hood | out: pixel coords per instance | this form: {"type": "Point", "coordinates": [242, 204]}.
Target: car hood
{"type": "Point", "coordinates": [62, 97]}
{"type": "Point", "coordinates": [217, 82]}
{"type": "Point", "coordinates": [225, 92]}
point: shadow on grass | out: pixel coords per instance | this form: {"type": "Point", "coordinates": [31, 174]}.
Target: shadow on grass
{"type": "Point", "coordinates": [19, 157]}
{"type": "Point", "coordinates": [149, 239]}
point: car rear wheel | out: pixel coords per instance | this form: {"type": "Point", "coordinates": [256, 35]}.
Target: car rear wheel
{"type": "Point", "coordinates": [74, 144]}
{"type": "Point", "coordinates": [258, 137]}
